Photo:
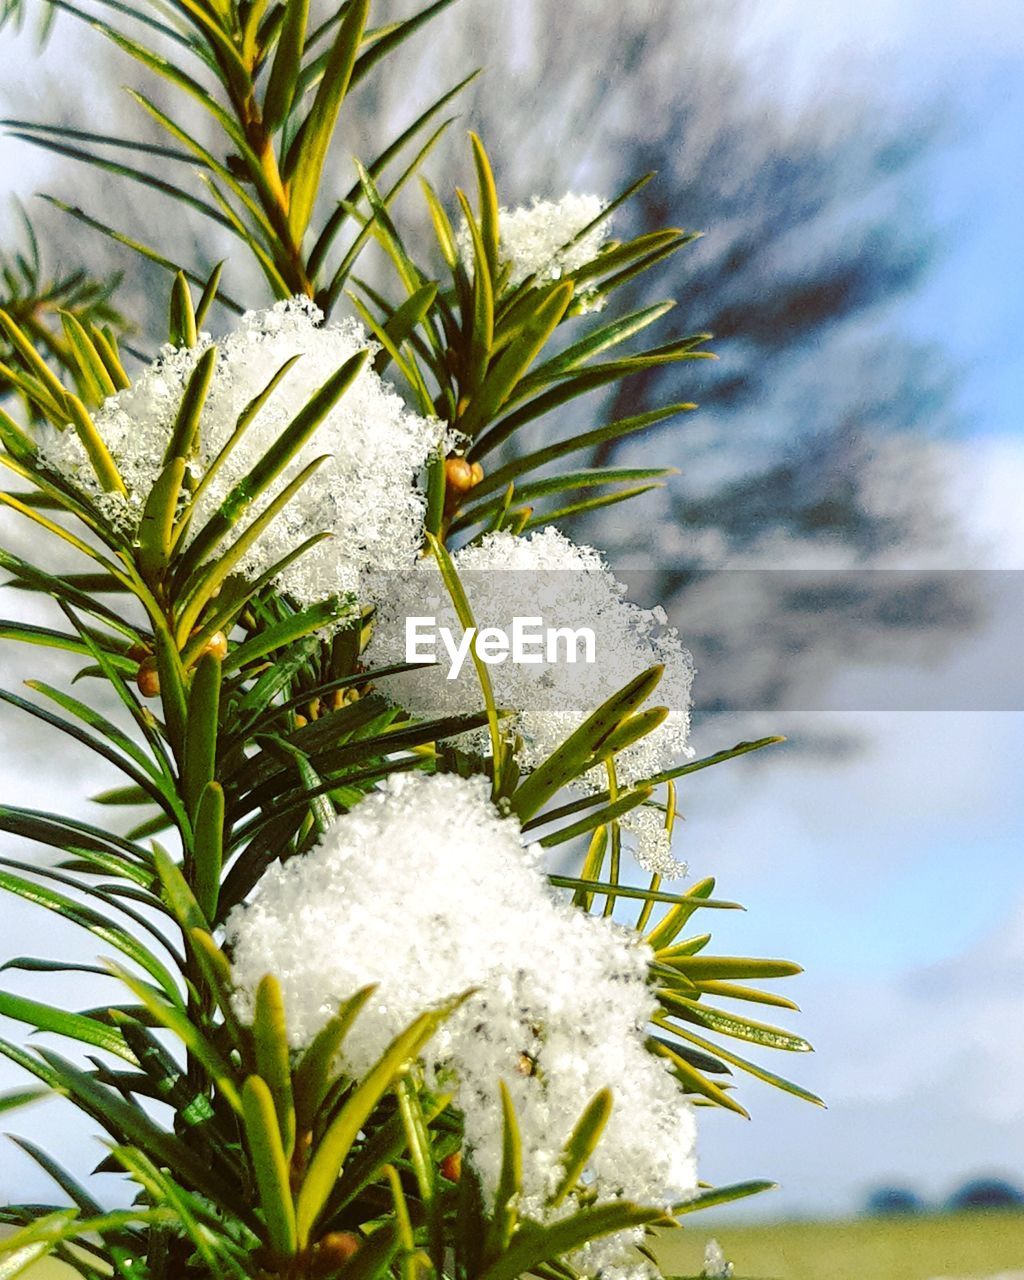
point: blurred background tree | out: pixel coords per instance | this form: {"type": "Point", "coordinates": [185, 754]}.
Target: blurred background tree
{"type": "Point", "coordinates": [886, 1201]}
{"type": "Point", "coordinates": [986, 1193]}
{"type": "Point", "coordinates": [819, 438]}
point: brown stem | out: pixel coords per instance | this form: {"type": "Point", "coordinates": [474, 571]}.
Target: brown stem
{"type": "Point", "coordinates": [275, 197]}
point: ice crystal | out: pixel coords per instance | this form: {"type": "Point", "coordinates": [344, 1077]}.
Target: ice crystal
{"type": "Point", "coordinates": [365, 494]}
{"type": "Point", "coordinates": [716, 1266]}
{"type": "Point", "coordinates": [540, 575]}
{"type": "Point", "coordinates": [425, 890]}
{"type": "Point", "coordinates": [644, 827]}
{"type": "Point", "coordinates": [539, 239]}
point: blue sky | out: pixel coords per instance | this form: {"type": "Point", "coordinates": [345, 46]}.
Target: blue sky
{"type": "Point", "coordinates": [894, 876]}
{"type": "Point", "coordinates": [966, 61]}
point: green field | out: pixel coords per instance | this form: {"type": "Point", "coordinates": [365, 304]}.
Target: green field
{"type": "Point", "coordinates": [975, 1245]}
{"type": "Point", "coordinates": [960, 1246]}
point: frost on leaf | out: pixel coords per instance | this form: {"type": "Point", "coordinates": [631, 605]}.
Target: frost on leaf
{"type": "Point", "coordinates": [644, 829]}
{"type": "Point", "coordinates": [716, 1267]}
{"type": "Point", "coordinates": [425, 890]}
{"type": "Point", "coordinates": [540, 240]}
{"type": "Point", "coordinates": [540, 575]}
{"type": "Point", "coordinates": [365, 494]}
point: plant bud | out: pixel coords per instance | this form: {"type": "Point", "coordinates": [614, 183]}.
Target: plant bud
{"type": "Point", "coordinates": [451, 1166]}
{"type": "Point", "coordinates": [217, 645]}
{"type": "Point", "coordinates": [148, 678]}
{"type": "Point", "coordinates": [458, 475]}
{"type": "Point", "coordinates": [333, 1251]}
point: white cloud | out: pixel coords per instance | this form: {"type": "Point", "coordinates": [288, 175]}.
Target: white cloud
{"type": "Point", "coordinates": [922, 1080]}
{"type": "Point", "coordinates": [925, 39]}
{"type": "Point", "coordinates": [917, 780]}
{"type": "Point", "coordinates": [936, 1028]}
{"type": "Point", "coordinates": [987, 477]}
